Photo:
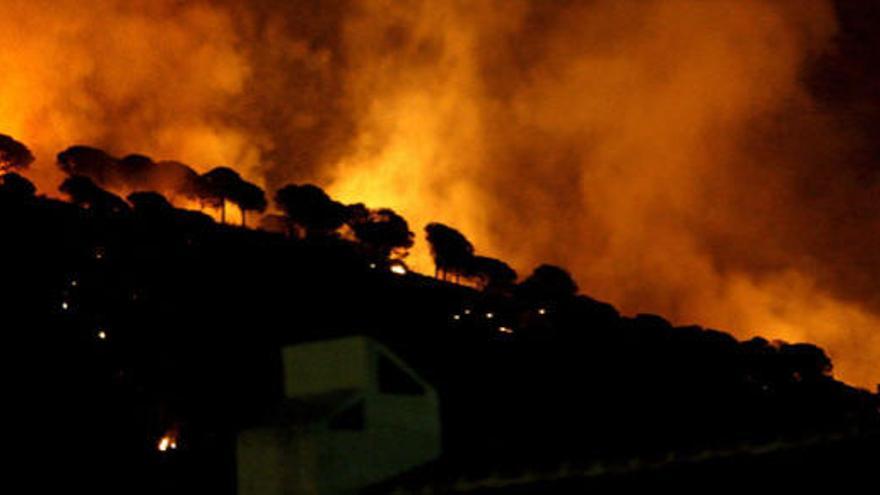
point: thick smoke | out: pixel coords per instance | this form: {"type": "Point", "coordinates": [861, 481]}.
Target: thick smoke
{"type": "Point", "coordinates": [707, 160]}
{"type": "Point", "coordinates": [680, 157]}
{"type": "Point", "coordinates": [122, 75]}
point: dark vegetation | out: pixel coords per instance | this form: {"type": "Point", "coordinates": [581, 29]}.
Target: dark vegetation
{"type": "Point", "coordinates": [127, 320]}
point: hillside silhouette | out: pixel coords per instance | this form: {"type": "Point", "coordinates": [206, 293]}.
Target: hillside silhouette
{"type": "Point", "coordinates": [131, 319]}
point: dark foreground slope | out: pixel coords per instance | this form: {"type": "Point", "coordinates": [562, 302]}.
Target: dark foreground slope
{"type": "Point", "coordinates": [193, 315]}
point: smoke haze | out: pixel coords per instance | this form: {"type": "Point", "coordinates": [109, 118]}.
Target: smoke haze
{"type": "Point", "coordinates": [710, 161]}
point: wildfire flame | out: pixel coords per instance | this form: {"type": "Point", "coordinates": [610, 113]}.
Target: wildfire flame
{"type": "Point", "coordinates": [671, 153]}
{"type": "Point", "coordinates": [167, 442]}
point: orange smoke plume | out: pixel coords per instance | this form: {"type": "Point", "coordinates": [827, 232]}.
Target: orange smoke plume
{"type": "Point", "coordinates": [679, 156]}
{"type": "Point", "coordinates": [655, 148]}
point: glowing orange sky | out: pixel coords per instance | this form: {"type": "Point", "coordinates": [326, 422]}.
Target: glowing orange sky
{"type": "Point", "coordinates": [669, 153]}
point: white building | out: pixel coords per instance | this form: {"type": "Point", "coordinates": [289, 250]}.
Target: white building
{"type": "Point", "coordinates": [354, 414]}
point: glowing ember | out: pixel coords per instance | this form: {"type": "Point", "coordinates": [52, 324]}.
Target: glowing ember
{"type": "Point", "coordinates": [102, 335]}
{"type": "Point", "coordinates": [506, 330]}
{"type": "Point", "coordinates": [542, 311]}
{"type": "Point", "coordinates": [65, 306]}
{"type": "Point", "coordinates": [489, 316]}
{"type": "Point", "coordinates": [398, 269]}
{"type": "Point", "coordinates": [456, 317]}
{"type": "Point", "coordinates": [167, 442]}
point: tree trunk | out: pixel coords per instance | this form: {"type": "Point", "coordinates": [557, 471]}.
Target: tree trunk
{"type": "Point", "coordinates": [223, 211]}
{"type": "Point", "coordinates": [243, 223]}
